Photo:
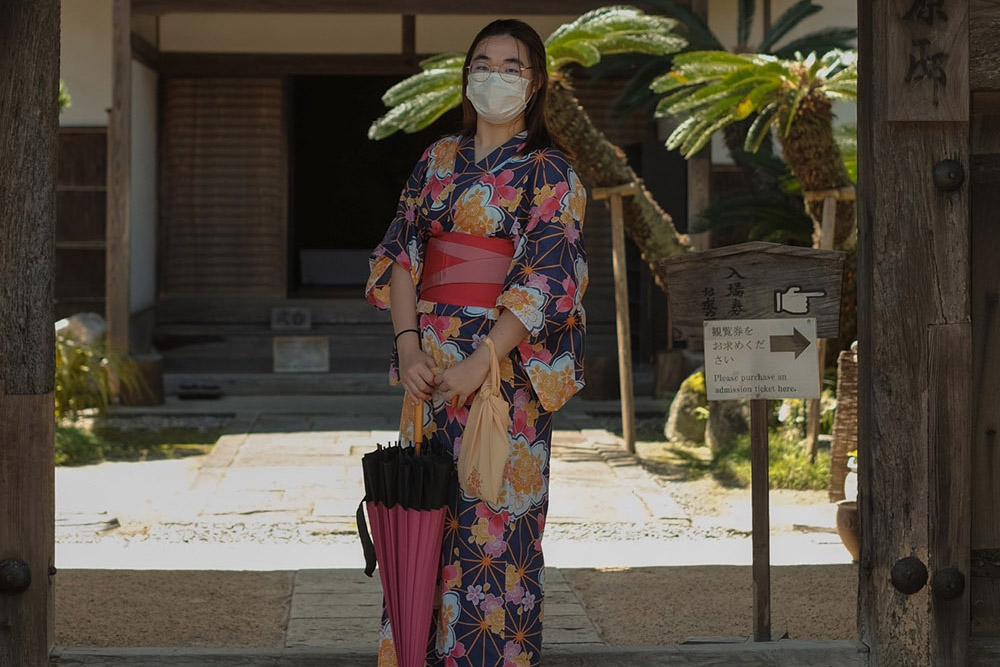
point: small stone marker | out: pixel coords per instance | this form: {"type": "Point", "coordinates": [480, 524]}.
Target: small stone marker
{"type": "Point", "coordinates": [771, 359]}
{"type": "Point", "coordinates": [301, 354]}
{"type": "Point", "coordinates": [291, 318]}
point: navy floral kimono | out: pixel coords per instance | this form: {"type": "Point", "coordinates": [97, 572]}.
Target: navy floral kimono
{"type": "Point", "coordinates": [492, 577]}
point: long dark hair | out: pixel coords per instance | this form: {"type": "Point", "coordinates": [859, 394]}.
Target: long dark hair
{"type": "Point", "coordinates": [534, 114]}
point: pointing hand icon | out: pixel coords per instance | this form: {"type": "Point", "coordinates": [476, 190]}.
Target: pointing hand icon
{"type": "Point", "coordinates": [794, 300]}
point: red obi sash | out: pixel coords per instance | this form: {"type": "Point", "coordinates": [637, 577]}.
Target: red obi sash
{"type": "Point", "coordinates": [465, 270]}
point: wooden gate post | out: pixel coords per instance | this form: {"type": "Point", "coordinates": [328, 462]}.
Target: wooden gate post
{"type": "Point", "coordinates": [914, 334]}
{"type": "Point", "coordinates": [29, 87]}
{"type": "Point", "coordinates": [619, 267]}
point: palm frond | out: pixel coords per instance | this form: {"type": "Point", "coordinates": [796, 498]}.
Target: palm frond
{"type": "Point", "coordinates": [419, 100]}
{"type": "Point", "coordinates": [744, 22]}
{"type": "Point", "coordinates": [793, 16]}
{"type": "Point", "coordinates": [767, 215]}
{"type": "Point", "coordinates": [423, 82]}
{"type": "Point", "coordinates": [664, 105]}
{"type": "Point", "coordinates": [761, 126]}
{"type": "Point", "coordinates": [416, 113]}
{"type": "Point", "coordinates": [820, 41]}
{"type": "Point", "coordinates": [610, 30]}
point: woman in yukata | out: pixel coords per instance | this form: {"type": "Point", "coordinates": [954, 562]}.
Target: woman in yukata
{"type": "Point", "coordinates": [487, 247]}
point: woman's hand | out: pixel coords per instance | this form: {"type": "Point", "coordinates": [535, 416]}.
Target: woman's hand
{"type": "Point", "coordinates": [460, 381]}
{"type": "Point", "coordinates": [416, 368]}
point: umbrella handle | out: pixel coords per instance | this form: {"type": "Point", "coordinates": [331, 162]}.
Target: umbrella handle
{"type": "Point", "coordinates": [418, 425]}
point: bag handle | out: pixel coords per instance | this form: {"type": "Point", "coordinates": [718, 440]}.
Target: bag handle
{"type": "Point", "coordinates": [492, 382]}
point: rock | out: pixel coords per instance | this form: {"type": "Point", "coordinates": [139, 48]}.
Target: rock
{"type": "Point", "coordinates": [726, 421]}
{"type": "Point", "coordinates": [684, 423]}
{"type": "Point", "coordinates": [87, 329]}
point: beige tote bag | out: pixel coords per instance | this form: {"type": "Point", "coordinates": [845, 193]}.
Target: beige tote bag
{"type": "Point", "coordinates": [485, 443]}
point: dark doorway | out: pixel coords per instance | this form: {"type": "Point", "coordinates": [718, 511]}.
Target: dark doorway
{"type": "Point", "coordinates": [344, 187]}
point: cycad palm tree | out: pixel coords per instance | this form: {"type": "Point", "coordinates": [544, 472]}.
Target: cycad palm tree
{"type": "Point", "coordinates": [711, 90]}
{"type": "Point", "coordinates": [770, 210]}
{"type": "Point", "coordinates": [418, 101]}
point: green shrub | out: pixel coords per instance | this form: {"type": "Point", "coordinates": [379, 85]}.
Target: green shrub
{"type": "Point", "coordinates": [789, 465]}
{"type": "Point", "coordinates": [76, 445]}
{"type": "Point", "coordinates": [82, 379]}
{"type": "Point", "coordinates": [695, 383]}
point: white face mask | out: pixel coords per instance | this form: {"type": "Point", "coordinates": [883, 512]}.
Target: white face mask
{"type": "Point", "coordinates": [497, 101]}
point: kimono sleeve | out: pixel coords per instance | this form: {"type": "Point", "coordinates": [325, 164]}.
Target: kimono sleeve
{"type": "Point", "coordinates": [401, 243]}
{"type": "Point", "coordinates": [546, 281]}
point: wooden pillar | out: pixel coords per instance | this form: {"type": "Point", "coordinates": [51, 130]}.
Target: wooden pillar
{"type": "Point", "coordinates": [29, 84]}
{"type": "Point", "coordinates": [118, 257]}
{"type": "Point", "coordinates": [760, 487]}
{"type": "Point", "coordinates": [914, 334]}
{"type": "Point", "coordinates": [622, 320]}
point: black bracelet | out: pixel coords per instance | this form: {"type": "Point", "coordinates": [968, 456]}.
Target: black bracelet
{"type": "Point", "coordinates": [396, 339]}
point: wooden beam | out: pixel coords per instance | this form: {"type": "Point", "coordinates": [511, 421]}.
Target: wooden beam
{"type": "Point", "coordinates": [269, 65]}
{"type": "Point", "coordinates": [29, 124]}
{"type": "Point", "coordinates": [409, 35]}
{"type": "Point", "coordinates": [145, 53]}
{"type": "Point", "coordinates": [118, 257]}
{"type": "Point", "coordinates": [511, 7]}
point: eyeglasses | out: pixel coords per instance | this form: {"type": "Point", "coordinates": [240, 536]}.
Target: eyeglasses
{"type": "Point", "coordinates": [509, 72]}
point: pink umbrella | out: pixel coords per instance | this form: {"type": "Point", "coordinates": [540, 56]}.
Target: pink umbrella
{"type": "Point", "coordinates": [406, 492]}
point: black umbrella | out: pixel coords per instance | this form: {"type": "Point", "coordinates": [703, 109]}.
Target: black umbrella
{"type": "Point", "coordinates": [406, 493]}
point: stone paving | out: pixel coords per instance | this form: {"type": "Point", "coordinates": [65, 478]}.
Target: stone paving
{"type": "Point", "coordinates": [279, 492]}
{"type": "Point", "coordinates": [338, 609]}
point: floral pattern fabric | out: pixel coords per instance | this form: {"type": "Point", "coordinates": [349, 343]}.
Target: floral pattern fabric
{"type": "Point", "coordinates": [491, 595]}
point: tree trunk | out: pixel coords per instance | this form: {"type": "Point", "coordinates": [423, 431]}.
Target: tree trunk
{"type": "Point", "coordinates": [29, 90]}
{"type": "Point", "coordinates": [602, 164]}
{"type": "Point", "coordinates": [815, 158]}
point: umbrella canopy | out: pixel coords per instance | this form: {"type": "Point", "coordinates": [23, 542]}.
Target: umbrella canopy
{"type": "Point", "coordinates": [406, 492]}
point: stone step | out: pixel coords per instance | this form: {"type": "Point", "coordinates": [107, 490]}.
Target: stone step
{"type": "Point", "coordinates": [784, 653]}
{"type": "Point", "coordinates": [257, 310]}
{"type": "Point", "coordinates": [278, 384]}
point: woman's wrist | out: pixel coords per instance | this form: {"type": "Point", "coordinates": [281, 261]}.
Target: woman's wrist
{"type": "Point", "coordinates": [408, 343]}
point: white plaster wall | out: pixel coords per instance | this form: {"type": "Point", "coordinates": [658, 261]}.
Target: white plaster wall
{"type": "Point", "coordinates": [143, 201]}
{"type": "Point", "coordinates": [86, 61]}
{"type": "Point", "coordinates": [282, 33]}
{"type": "Point", "coordinates": [437, 33]}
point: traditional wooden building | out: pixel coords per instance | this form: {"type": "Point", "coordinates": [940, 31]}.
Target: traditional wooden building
{"type": "Point", "coordinates": [218, 195]}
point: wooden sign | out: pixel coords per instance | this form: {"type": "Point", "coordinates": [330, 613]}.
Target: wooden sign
{"type": "Point", "coordinates": [928, 63]}
{"type": "Point", "coordinates": [769, 359]}
{"type": "Point", "coordinates": [755, 281]}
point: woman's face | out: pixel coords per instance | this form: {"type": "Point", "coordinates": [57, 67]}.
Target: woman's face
{"type": "Point", "coordinates": [502, 51]}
